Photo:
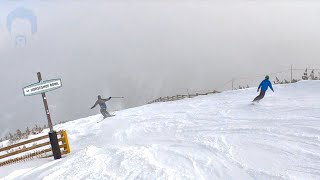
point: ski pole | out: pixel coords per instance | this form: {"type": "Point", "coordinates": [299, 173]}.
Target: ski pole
{"type": "Point", "coordinates": [117, 97]}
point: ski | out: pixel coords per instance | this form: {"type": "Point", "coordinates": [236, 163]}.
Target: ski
{"type": "Point", "coordinates": [105, 118]}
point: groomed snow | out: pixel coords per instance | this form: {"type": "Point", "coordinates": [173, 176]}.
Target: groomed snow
{"type": "Point", "coordinates": [220, 136]}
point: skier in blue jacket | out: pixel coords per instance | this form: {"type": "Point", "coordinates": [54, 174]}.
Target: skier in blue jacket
{"type": "Point", "coordinates": [264, 87]}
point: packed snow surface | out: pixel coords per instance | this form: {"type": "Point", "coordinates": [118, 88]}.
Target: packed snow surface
{"type": "Point", "coordinates": [220, 136]}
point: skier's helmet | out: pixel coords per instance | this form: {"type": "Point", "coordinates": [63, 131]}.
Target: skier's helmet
{"type": "Point", "coordinates": [99, 97]}
{"type": "Point", "coordinates": [267, 77]}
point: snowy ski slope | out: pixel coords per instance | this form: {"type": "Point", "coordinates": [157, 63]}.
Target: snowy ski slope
{"type": "Point", "coordinates": [220, 136]}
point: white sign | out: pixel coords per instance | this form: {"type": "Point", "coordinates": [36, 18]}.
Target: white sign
{"type": "Point", "coordinates": [42, 87]}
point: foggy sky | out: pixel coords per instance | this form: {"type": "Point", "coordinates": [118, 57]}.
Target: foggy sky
{"type": "Point", "coordinates": [143, 50]}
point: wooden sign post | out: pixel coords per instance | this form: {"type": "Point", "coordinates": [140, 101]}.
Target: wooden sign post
{"type": "Point", "coordinates": [45, 103]}
{"type": "Point", "coordinates": [40, 88]}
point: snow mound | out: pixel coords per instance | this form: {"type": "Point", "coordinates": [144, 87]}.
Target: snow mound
{"type": "Point", "coordinates": [220, 136]}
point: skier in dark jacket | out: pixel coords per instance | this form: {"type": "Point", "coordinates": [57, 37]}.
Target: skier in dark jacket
{"type": "Point", "coordinates": [264, 87]}
{"type": "Point", "coordinates": [103, 106]}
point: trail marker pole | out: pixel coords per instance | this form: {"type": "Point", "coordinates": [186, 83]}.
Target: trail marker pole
{"type": "Point", "coordinates": [45, 103]}
{"type": "Point", "coordinates": [40, 88]}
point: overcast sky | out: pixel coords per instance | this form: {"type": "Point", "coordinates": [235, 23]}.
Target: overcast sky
{"type": "Point", "coordinates": [143, 50]}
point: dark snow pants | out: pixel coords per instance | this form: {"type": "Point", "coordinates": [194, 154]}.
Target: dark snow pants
{"type": "Point", "coordinates": [261, 95]}
{"type": "Point", "coordinates": [104, 112]}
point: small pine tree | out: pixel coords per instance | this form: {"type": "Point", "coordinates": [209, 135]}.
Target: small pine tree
{"type": "Point", "coordinates": [18, 134]}
{"type": "Point", "coordinates": [11, 138]}
{"type": "Point", "coordinates": [305, 75]}
{"type": "Point", "coordinates": [36, 130]}
{"type": "Point", "coordinates": [312, 77]}
{"type": "Point", "coordinates": [277, 81]}
{"type": "Point", "coordinates": [28, 131]}
{"type": "Point", "coordinates": [40, 129]}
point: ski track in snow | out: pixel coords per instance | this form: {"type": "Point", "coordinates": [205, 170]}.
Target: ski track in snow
{"type": "Point", "coordinates": [220, 136]}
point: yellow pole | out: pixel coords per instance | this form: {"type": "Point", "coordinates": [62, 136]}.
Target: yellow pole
{"type": "Point", "coordinates": [65, 137]}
